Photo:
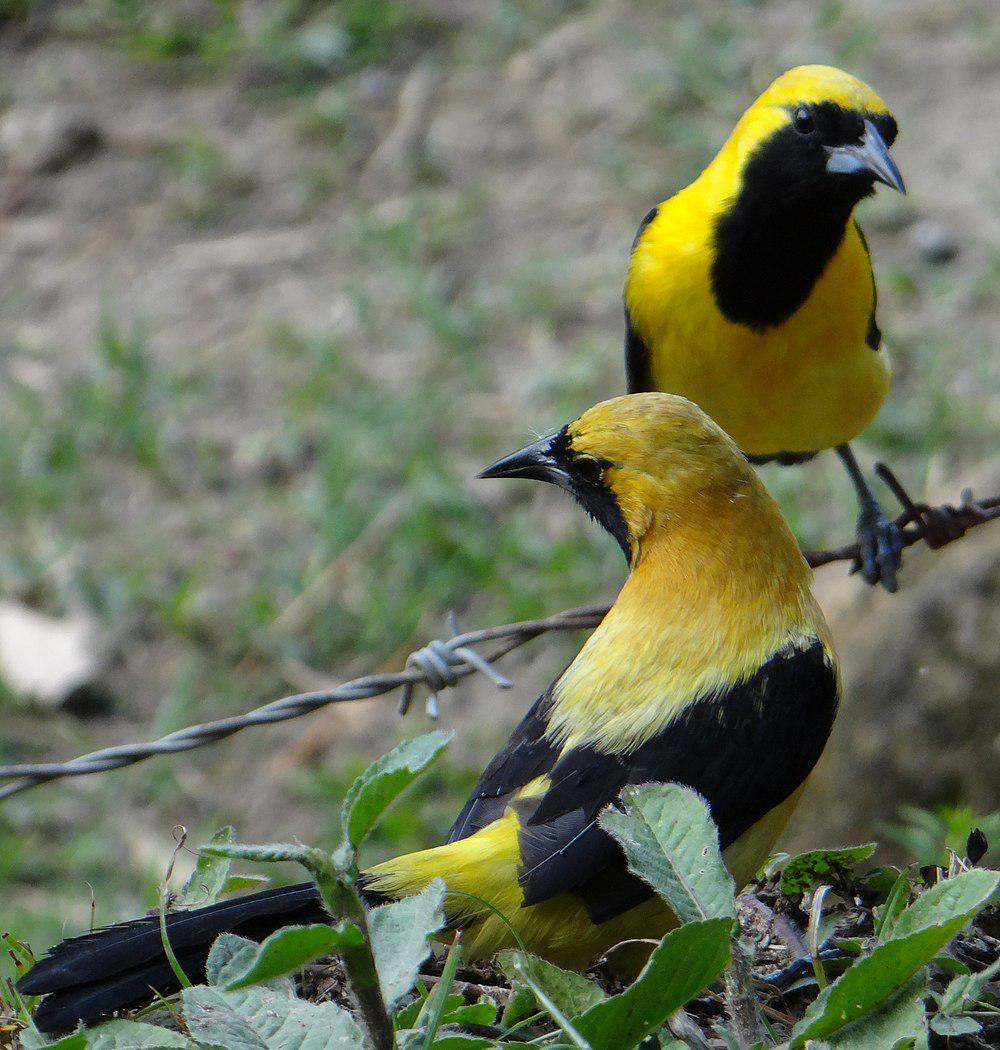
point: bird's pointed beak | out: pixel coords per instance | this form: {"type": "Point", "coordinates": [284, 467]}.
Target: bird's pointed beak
{"type": "Point", "coordinates": [870, 155]}
{"type": "Point", "coordinates": [535, 461]}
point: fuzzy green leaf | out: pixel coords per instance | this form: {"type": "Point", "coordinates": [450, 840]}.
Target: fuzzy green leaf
{"type": "Point", "coordinates": [229, 954]}
{"type": "Point", "coordinates": [209, 875]}
{"type": "Point", "coordinates": [314, 860]}
{"type": "Point", "coordinates": [672, 843]}
{"type": "Point", "coordinates": [483, 1012]}
{"type": "Point", "coordinates": [894, 906]}
{"type": "Point", "coordinates": [683, 965]}
{"type": "Point", "coordinates": [265, 1019]}
{"type": "Point", "coordinates": [900, 1018]}
{"type": "Point", "coordinates": [130, 1035]}
{"type": "Point", "coordinates": [946, 1025]}
{"type": "Point", "coordinates": [822, 865]}
{"type": "Point", "coordinates": [286, 951]}
{"type": "Point", "coordinates": [871, 981]}
{"type": "Point", "coordinates": [388, 776]}
{"type": "Point", "coordinates": [447, 1041]}
{"type": "Point", "coordinates": [399, 934]}
{"type": "Point", "coordinates": [962, 895]}
{"type": "Point", "coordinates": [32, 1040]}
{"type": "Point", "coordinates": [964, 987]}
{"type": "Point", "coordinates": [571, 993]}
{"type": "Point", "coordinates": [235, 883]}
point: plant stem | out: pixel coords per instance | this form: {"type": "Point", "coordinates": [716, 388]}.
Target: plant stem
{"type": "Point", "coordinates": [741, 1001]}
{"type": "Point", "coordinates": [343, 901]}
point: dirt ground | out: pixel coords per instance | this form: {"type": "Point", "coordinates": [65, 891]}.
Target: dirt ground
{"type": "Point", "coordinates": [250, 303]}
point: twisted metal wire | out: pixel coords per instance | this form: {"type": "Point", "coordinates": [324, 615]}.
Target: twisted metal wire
{"type": "Point", "coordinates": [438, 665]}
{"type": "Point", "coordinates": [442, 664]}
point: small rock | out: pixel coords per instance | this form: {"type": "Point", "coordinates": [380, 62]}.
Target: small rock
{"type": "Point", "coordinates": [935, 242]}
{"type": "Point", "coordinates": [57, 662]}
{"type": "Point", "coordinates": [45, 139]}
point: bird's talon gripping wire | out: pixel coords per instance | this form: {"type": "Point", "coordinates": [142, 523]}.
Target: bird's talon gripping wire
{"type": "Point", "coordinates": [880, 548]}
{"type": "Point", "coordinates": [938, 526]}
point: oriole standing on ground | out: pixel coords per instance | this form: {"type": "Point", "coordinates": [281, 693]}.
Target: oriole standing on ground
{"type": "Point", "coordinates": [751, 291]}
{"type": "Point", "coordinates": [713, 668]}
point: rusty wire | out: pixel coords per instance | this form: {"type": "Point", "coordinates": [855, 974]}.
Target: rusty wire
{"type": "Point", "coordinates": [441, 664]}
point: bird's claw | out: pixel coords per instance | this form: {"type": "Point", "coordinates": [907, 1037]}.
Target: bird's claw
{"type": "Point", "coordinates": [880, 543]}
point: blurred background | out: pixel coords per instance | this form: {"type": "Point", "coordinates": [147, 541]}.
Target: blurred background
{"type": "Point", "coordinates": [277, 278]}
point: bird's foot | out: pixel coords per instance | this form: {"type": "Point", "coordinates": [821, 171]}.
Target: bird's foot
{"type": "Point", "coordinates": [880, 543]}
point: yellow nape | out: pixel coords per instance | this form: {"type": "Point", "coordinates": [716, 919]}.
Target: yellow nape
{"type": "Point", "coordinates": [706, 603]}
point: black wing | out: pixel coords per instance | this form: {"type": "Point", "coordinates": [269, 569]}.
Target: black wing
{"type": "Point", "coordinates": [745, 750]}
{"type": "Point", "coordinates": [527, 755]}
{"type": "Point", "coordinates": [638, 367]}
{"type": "Point", "coordinates": [873, 337]}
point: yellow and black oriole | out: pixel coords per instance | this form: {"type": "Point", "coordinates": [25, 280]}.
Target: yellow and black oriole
{"type": "Point", "coordinates": [751, 290]}
{"type": "Point", "coordinates": [713, 669]}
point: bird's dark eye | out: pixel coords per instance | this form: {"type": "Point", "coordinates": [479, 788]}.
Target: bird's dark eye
{"type": "Point", "coordinates": [588, 469]}
{"type": "Point", "coordinates": [803, 121]}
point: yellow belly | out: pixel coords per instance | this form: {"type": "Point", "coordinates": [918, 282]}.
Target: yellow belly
{"type": "Point", "coordinates": [807, 384]}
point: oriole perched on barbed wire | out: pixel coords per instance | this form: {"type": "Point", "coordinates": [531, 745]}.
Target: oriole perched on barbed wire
{"type": "Point", "coordinates": [713, 668]}
{"type": "Point", "coordinates": [751, 291]}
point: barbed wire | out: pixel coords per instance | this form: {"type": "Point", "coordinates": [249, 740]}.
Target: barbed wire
{"type": "Point", "coordinates": [441, 664]}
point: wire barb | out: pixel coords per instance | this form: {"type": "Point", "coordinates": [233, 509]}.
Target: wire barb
{"type": "Point", "coordinates": [440, 665]}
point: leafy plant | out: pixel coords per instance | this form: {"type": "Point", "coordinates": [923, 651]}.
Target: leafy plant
{"type": "Point", "coordinates": [897, 986]}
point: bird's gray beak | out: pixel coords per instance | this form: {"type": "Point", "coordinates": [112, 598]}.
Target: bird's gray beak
{"type": "Point", "coordinates": [534, 461]}
{"type": "Point", "coordinates": [870, 155]}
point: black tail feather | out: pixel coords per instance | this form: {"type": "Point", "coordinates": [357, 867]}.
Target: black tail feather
{"type": "Point", "coordinates": [115, 968]}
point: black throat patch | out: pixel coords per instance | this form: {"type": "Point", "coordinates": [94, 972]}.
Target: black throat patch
{"type": "Point", "coordinates": [774, 242]}
{"type": "Point", "coordinates": [591, 491]}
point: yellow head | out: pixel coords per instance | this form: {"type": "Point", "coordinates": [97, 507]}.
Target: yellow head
{"type": "Point", "coordinates": [817, 128]}
{"type": "Point", "coordinates": [638, 462]}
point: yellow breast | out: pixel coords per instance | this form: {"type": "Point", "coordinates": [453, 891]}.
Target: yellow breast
{"type": "Point", "coordinates": [806, 384]}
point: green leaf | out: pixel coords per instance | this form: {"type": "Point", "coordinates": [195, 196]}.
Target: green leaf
{"type": "Point", "coordinates": [571, 993]}
{"type": "Point", "coordinates": [895, 901]}
{"type": "Point", "coordinates": [126, 1035]}
{"type": "Point", "coordinates": [235, 883]}
{"type": "Point", "coordinates": [950, 964]}
{"type": "Point", "coordinates": [966, 987]}
{"type": "Point", "coordinates": [209, 875]}
{"type": "Point", "coordinates": [382, 781]}
{"type": "Point", "coordinates": [520, 1007]}
{"type": "Point", "coordinates": [314, 860]}
{"type": "Point", "coordinates": [901, 1017]}
{"type": "Point", "coordinates": [436, 1004]}
{"type": "Point", "coordinates": [228, 953]}
{"type": "Point", "coordinates": [33, 1040]}
{"type": "Point", "coordinates": [465, 1042]}
{"type": "Point", "coordinates": [551, 1007]}
{"type": "Point", "coordinates": [822, 865]}
{"type": "Point", "coordinates": [484, 1012]}
{"type": "Point", "coordinates": [265, 1019]}
{"type": "Point", "coordinates": [671, 843]}
{"type": "Point", "coordinates": [871, 981]}
{"type": "Point", "coordinates": [286, 951]}
{"type": "Point", "coordinates": [880, 881]}
{"type": "Point", "coordinates": [406, 1016]}
{"type": "Point", "coordinates": [683, 965]}
{"type": "Point", "coordinates": [946, 1025]}
{"type": "Point", "coordinates": [399, 936]}
{"type": "Point", "coordinates": [962, 895]}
